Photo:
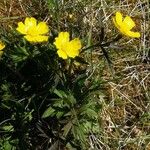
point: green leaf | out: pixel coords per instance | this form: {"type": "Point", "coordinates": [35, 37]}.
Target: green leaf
{"type": "Point", "coordinates": [59, 114]}
{"type": "Point", "coordinates": [7, 144]}
{"type": "Point", "coordinates": [19, 54]}
{"type": "Point", "coordinates": [67, 128]}
{"type": "Point", "coordinates": [71, 100]}
{"type": "Point", "coordinates": [90, 113]}
{"type": "Point", "coordinates": [69, 147]}
{"type": "Point", "coordinates": [58, 103]}
{"type": "Point", "coordinates": [60, 93]}
{"type": "Point", "coordinates": [8, 128]}
{"type": "Point", "coordinates": [48, 112]}
{"type": "Point", "coordinates": [78, 133]}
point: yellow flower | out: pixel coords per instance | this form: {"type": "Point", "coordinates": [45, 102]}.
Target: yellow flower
{"type": "Point", "coordinates": [33, 31]}
{"type": "Point", "coordinates": [125, 25]}
{"type": "Point", "coordinates": [2, 46]}
{"type": "Point", "coordinates": [65, 47]}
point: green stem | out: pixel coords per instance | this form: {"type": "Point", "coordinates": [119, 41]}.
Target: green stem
{"type": "Point", "coordinates": [108, 60]}
{"type": "Point", "coordinates": [117, 38]}
{"type": "Point", "coordinates": [70, 67]}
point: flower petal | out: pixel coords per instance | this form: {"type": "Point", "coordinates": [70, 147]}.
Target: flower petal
{"type": "Point", "coordinates": [21, 28]}
{"type": "Point", "coordinates": [30, 22]}
{"type": "Point", "coordinates": [32, 31]}
{"type": "Point", "coordinates": [133, 34]}
{"type": "Point", "coordinates": [37, 38]}
{"type": "Point", "coordinates": [76, 44]}
{"type": "Point", "coordinates": [115, 23]}
{"type": "Point", "coordinates": [118, 18]}
{"type": "Point", "coordinates": [2, 45]}
{"type": "Point", "coordinates": [42, 28]}
{"type": "Point", "coordinates": [62, 38]}
{"type": "Point", "coordinates": [62, 54]}
{"type": "Point", "coordinates": [30, 38]}
{"type": "Point", "coordinates": [73, 47]}
{"type": "Point", "coordinates": [41, 38]}
{"type": "Point", "coordinates": [128, 22]}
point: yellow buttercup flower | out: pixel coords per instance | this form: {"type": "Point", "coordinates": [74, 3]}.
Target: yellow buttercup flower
{"type": "Point", "coordinates": [125, 25]}
{"type": "Point", "coordinates": [33, 31]}
{"type": "Point", "coordinates": [2, 46]}
{"type": "Point", "coordinates": [65, 47]}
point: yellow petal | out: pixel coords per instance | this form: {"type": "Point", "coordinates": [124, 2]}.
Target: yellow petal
{"type": "Point", "coordinates": [72, 53]}
{"type": "Point", "coordinates": [21, 28]}
{"type": "Point", "coordinates": [2, 45]}
{"type": "Point", "coordinates": [32, 31]}
{"type": "Point", "coordinates": [128, 23]}
{"type": "Point", "coordinates": [41, 38]}
{"type": "Point", "coordinates": [73, 47]}
{"type": "Point", "coordinates": [29, 38]}
{"type": "Point", "coordinates": [115, 23]}
{"type": "Point", "coordinates": [118, 18]}
{"type": "Point", "coordinates": [36, 39]}
{"type": "Point", "coordinates": [30, 22]}
{"type": "Point", "coordinates": [133, 34]}
{"type": "Point", "coordinates": [42, 28]}
{"type": "Point", "coordinates": [62, 54]}
{"type": "Point", "coordinates": [76, 44]}
{"type": "Point", "coordinates": [62, 38]}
